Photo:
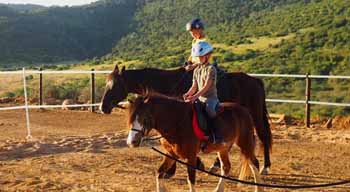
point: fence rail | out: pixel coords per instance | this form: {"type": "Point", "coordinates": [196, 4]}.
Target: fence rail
{"type": "Point", "coordinates": [92, 73]}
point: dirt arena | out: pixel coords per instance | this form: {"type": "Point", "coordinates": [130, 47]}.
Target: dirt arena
{"type": "Point", "coordinates": [82, 151]}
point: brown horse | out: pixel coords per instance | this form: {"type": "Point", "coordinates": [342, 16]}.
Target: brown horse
{"type": "Point", "coordinates": [232, 87]}
{"type": "Point", "coordinates": [172, 119]}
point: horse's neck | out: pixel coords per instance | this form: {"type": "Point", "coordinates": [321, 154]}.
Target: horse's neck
{"type": "Point", "coordinates": [173, 124]}
{"type": "Point", "coordinates": [160, 81]}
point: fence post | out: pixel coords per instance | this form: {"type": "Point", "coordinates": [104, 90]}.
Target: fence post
{"type": "Point", "coordinates": [40, 87]}
{"type": "Point", "coordinates": [307, 99]}
{"type": "Point", "coordinates": [92, 96]}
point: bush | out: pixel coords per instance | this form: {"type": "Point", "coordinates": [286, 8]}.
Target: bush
{"type": "Point", "coordinates": [228, 56]}
{"type": "Point", "coordinates": [9, 94]}
{"type": "Point", "coordinates": [29, 77]}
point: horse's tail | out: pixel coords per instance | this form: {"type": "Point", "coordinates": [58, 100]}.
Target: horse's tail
{"type": "Point", "coordinates": [244, 169]}
{"type": "Point", "coordinates": [267, 138]}
{"type": "Point", "coordinates": [245, 138]}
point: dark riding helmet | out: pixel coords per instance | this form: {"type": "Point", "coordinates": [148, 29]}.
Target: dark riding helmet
{"type": "Point", "coordinates": [194, 24]}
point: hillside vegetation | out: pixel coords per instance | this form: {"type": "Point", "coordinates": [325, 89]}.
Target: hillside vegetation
{"type": "Point", "coordinates": [56, 34]}
{"type": "Point", "coordinates": [288, 37]}
{"type": "Point", "coordinates": [258, 36]}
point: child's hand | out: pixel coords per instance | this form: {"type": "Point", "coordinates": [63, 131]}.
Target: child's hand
{"type": "Point", "coordinates": [190, 67]}
{"type": "Point", "coordinates": [184, 96]}
{"type": "Point", "coordinates": [191, 98]}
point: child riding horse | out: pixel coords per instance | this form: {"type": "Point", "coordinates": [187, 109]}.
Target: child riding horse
{"type": "Point", "coordinates": [204, 86]}
{"type": "Point", "coordinates": [172, 119]}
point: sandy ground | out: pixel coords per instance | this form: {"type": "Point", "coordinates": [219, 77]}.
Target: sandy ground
{"type": "Point", "coordinates": [82, 151]}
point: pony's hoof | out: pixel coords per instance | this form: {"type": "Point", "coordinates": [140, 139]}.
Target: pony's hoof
{"type": "Point", "coordinates": [219, 189]}
{"type": "Point", "coordinates": [264, 171]}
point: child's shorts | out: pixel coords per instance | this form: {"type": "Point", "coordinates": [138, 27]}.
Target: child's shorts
{"type": "Point", "coordinates": [211, 106]}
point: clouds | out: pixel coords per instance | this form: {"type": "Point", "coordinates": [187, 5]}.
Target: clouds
{"type": "Point", "coordinates": [49, 2]}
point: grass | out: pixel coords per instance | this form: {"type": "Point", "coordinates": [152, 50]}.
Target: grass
{"type": "Point", "coordinates": [259, 44]}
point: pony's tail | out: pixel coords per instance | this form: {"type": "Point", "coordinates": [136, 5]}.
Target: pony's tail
{"type": "Point", "coordinates": [244, 169]}
{"type": "Point", "coordinates": [245, 139]}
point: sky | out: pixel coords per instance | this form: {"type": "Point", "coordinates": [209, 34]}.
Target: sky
{"type": "Point", "coordinates": [49, 2]}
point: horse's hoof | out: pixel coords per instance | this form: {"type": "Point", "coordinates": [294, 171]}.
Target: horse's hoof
{"type": "Point", "coordinates": [264, 171]}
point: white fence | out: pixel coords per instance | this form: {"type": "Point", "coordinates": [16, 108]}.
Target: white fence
{"type": "Point", "coordinates": [307, 102]}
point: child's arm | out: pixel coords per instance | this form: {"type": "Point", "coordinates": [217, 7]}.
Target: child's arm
{"type": "Point", "coordinates": [208, 84]}
{"type": "Point", "coordinates": [191, 91]}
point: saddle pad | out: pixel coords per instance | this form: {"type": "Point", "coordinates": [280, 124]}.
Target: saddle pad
{"type": "Point", "coordinates": [196, 127]}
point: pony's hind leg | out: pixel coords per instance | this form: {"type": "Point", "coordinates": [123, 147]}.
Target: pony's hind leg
{"type": "Point", "coordinates": [250, 164]}
{"type": "Point", "coordinates": [225, 170]}
{"type": "Point", "coordinates": [257, 178]}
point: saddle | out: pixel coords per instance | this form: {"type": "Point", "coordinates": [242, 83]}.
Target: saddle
{"type": "Point", "coordinates": [201, 122]}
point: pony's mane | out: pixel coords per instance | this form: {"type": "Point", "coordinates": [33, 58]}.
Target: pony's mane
{"type": "Point", "coordinates": [150, 97]}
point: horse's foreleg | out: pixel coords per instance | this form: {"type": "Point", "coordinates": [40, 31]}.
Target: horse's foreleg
{"type": "Point", "coordinates": [225, 170]}
{"type": "Point", "coordinates": [167, 163]}
{"type": "Point", "coordinates": [172, 170]}
{"type": "Point", "coordinates": [167, 174]}
{"type": "Point", "coordinates": [160, 185]}
{"type": "Point", "coordinates": [191, 179]}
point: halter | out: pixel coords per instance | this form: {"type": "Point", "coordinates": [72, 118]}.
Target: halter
{"type": "Point", "coordinates": [142, 131]}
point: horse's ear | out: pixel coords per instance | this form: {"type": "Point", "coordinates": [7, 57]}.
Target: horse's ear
{"type": "Point", "coordinates": [123, 69]}
{"type": "Point", "coordinates": [116, 69]}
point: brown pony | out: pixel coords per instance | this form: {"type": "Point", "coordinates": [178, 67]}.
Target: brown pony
{"type": "Point", "coordinates": [172, 119]}
{"type": "Point", "coordinates": [232, 87]}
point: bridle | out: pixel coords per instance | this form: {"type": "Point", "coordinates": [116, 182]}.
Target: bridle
{"type": "Point", "coordinates": [146, 128]}
{"type": "Point", "coordinates": [142, 131]}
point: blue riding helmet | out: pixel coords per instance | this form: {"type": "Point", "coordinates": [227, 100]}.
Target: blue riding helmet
{"type": "Point", "coordinates": [194, 24]}
{"type": "Point", "coordinates": [201, 48]}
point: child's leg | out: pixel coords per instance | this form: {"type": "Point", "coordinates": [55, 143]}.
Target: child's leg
{"type": "Point", "coordinates": [211, 106]}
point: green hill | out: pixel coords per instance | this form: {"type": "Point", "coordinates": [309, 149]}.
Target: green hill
{"type": "Point", "coordinates": [319, 31]}
{"type": "Point", "coordinates": [289, 37]}
{"type": "Point", "coordinates": [58, 34]}
{"type": "Point", "coordinates": [257, 36]}
{"type": "Point", "coordinates": [23, 7]}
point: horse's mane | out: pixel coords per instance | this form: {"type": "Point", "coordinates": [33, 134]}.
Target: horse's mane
{"type": "Point", "coordinates": [150, 96]}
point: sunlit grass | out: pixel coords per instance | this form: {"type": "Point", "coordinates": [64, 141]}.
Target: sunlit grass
{"type": "Point", "coordinates": [259, 44]}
